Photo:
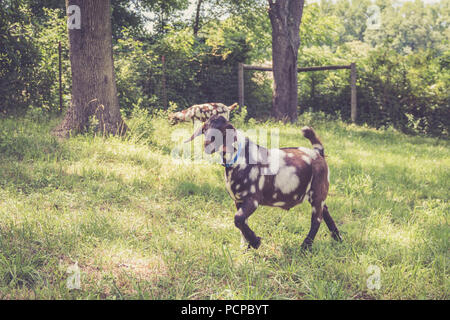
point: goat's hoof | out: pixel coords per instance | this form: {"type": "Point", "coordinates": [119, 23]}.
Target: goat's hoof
{"type": "Point", "coordinates": [256, 243]}
{"type": "Point", "coordinates": [306, 246]}
{"type": "Point", "coordinates": [336, 236]}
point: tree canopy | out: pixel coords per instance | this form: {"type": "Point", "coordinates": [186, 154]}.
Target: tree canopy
{"type": "Point", "coordinates": [403, 64]}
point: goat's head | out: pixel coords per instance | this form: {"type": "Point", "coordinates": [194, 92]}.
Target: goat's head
{"type": "Point", "coordinates": [219, 134]}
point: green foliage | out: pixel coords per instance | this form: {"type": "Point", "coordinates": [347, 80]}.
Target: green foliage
{"type": "Point", "coordinates": [197, 70]}
{"type": "Point", "coordinates": [123, 17]}
{"type": "Point", "coordinates": [406, 92]}
{"type": "Point", "coordinates": [140, 126]}
{"type": "Point", "coordinates": [17, 56]}
{"type": "Point", "coordinates": [29, 58]}
{"type": "Point", "coordinates": [49, 35]}
{"type": "Point", "coordinates": [402, 71]}
{"type": "Point", "coordinates": [403, 67]}
{"type": "Point", "coordinates": [165, 12]}
{"type": "Point", "coordinates": [133, 61]}
{"type": "Point", "coordinates": [318, 29]}
{"type": "Point", "coordinates": [240, 117]}
{"type": "Point", "coordinates": [352, 16]}
{"type": "Point", "coordinates": [413, 26]}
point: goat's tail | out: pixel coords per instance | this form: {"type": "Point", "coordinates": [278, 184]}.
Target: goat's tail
{"type": "Point", "coordinates": [233, 106]}
{"type": "Point", "coordinates": [311, 135]}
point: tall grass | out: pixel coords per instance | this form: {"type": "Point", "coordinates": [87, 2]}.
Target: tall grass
{"type": "Point", "coordinates": [141, 225]}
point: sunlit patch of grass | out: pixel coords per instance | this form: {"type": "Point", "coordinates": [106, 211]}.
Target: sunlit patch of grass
{"type": "Point", "coordinates": [143, 225]}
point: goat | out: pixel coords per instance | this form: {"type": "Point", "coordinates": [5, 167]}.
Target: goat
{"type": "Point", "coordinates": [282, 178]}
{"type": "Point", "coordinates": [201, 112]}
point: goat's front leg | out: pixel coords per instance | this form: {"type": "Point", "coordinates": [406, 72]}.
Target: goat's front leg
{"type": "Point", "coordinates": [316, 219]}
{"type": "Point", "coordinates": [245, 210]}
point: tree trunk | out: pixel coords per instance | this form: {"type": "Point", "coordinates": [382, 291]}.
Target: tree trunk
{"type": "Point", "coordinates": [196, 24]}
{"type": "Point", "coordinates": [285, 17]}
{"type": "Point", "coordinates": [94, 91]}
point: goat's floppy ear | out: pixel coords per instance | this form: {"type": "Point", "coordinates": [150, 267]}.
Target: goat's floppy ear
{"type": "Point", "coordinates": [218, 122]}
{"type": "Point", "coordinates": [197, 133]}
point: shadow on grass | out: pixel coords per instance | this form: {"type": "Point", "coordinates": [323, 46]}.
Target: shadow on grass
{"type": "Point", "coordinates": [189, 188]}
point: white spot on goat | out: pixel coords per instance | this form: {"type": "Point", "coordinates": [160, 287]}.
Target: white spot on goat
{"type": "Point", "coordinates": [275, 161]}
{"type": "Point", "coordinates": [312, 153]}
{"type": "Point", "coordinates": [308, 186]}
{"type": "Point", "coordinates": [317, 146]}
{"type": "Point", "coordinates": [261, 182]}
{"type": "Point", "coordinates": [252, 189]}
{"type": "Point", "coordinates": [287, 180]}
{"type": "Point", "coordinates": [279, 204]}
{"type": "Point", "coordinates": [242, 165]}
{"type": "Point", "coordinates": [306, 159]}
{"type": "Point", "coordinates": [253, 173]}
{"type": "Point", "coordinates": [308, 193]}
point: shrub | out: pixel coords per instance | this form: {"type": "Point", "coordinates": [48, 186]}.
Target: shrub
{"type": "Point", "coordinates": [140, 126]}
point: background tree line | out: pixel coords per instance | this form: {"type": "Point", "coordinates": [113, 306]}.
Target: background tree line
{"type": "Point", "coordinates": [403, 66]}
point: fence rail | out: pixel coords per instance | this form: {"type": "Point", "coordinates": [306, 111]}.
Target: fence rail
{"type": "Point", "coordinates": [351, 67]}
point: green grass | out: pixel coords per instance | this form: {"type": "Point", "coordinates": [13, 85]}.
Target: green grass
{"type": "Point", "coordinates": [143, 226]}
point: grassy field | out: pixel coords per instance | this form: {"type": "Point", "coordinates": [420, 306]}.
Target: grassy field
{"type": "Point", "coordinates": [141, 225]}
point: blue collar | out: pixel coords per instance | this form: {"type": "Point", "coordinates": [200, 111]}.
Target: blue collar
{"type": "Point", "coordinates": [236, 157]}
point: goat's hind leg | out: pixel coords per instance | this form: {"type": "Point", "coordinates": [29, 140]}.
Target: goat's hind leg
{"type": "Point", "coordinates": [245, 209]}
{"type": "Point", "coordinates": [330, 224]}
{"type": "Point", "coordinates": [316, 219]}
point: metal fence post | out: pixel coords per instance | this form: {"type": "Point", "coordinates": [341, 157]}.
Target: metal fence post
{"type": "Point", "coordinates": [241, 84]}
{"type": "Point", "coordinates": [163, 82]}
{"type": "Point", "coordinates": [60, 78]}
{"type": "Point", "coordinates": [354, 113]}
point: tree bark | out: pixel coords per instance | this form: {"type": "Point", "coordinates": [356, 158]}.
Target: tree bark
{"type": "Point", "coordinates": [94, 91]}
{"type": "Point", "coordinates": [196, 24]}
{"type": "Point", "coordinates": [285, 17]}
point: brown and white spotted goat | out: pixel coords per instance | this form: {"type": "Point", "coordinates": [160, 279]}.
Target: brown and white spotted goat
{"type": "Point", "coordinates": [256, 176]}
{"type": "Point", "coordinates": [202, 112]}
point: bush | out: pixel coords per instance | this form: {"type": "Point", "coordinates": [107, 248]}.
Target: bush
{"type": "Point", "coordinates": [29, 58]}
{"type": "Point", "coordinates": [406, 92]}
{"type": "Point", "coordinates": [140, 126]}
